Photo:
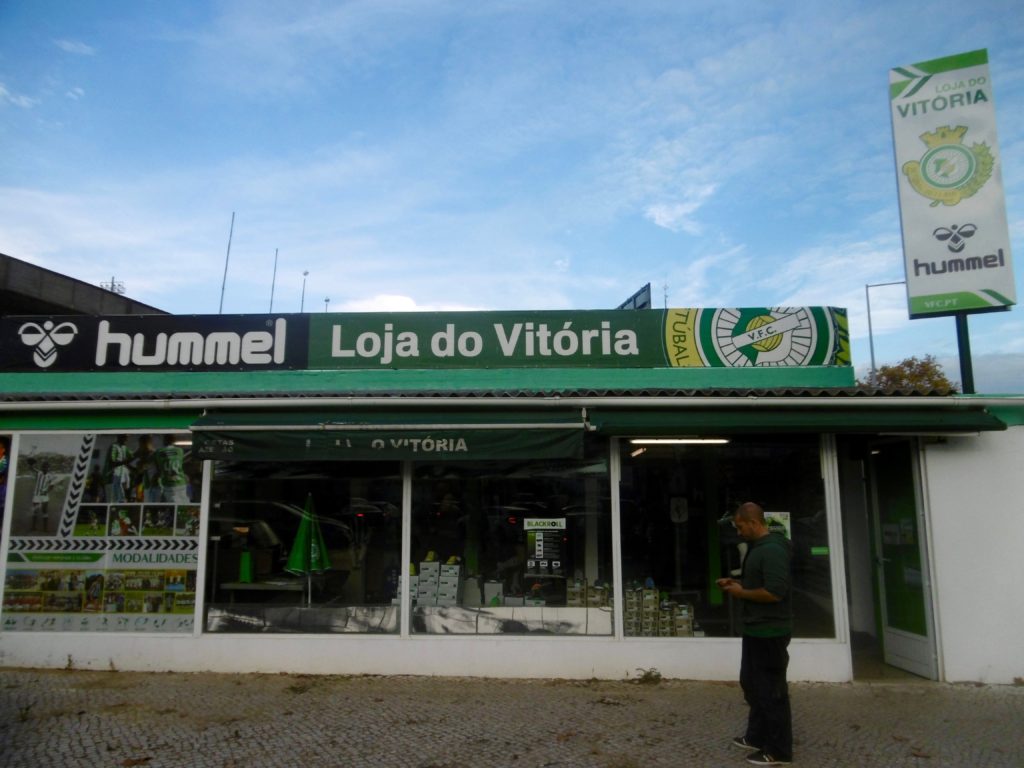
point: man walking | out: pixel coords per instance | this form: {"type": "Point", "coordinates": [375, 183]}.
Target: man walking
{"type": "Point", "coordinates": [764, 589]}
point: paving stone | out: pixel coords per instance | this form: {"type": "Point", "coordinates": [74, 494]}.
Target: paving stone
{"type": "Point", "coordinates": [79, 718]}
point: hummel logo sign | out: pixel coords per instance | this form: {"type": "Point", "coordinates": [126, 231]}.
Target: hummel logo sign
{"type": "Point", "coordinates": [46, 338]}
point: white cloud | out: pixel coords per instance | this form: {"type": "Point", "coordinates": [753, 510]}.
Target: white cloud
{"type": "Point", "coordinates": [836, 274]}
{"type": "Point", "coordinates": [16, 99]}
{"type": "Point", "coordinates": [75, 94]}
{"type": "Point", "coordinates": [678, 217]}
{"type": "Point", "coordinates": [286, 48]}
{"type": "Point", "coordinates": [76, 47]}
{"type": "Point", "coordinates": [714, 279]}
{"type": "Point", "coordinates": [386, 302]}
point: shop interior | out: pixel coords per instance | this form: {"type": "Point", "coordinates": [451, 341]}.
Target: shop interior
{"type": "Point", "coordinates": [514, 546]}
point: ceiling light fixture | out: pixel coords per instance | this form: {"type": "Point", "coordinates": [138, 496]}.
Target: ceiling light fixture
{"type": "Point", "coordinates": [679, 441]}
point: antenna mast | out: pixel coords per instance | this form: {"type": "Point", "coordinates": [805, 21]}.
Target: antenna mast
{"type": "Point", "coordinates": [226, 257]}
{"type": "Point", "coordinates": [273, 280]}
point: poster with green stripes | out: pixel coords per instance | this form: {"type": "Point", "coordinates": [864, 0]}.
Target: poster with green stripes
{"type": "Point", "coordinates": [956, 243]}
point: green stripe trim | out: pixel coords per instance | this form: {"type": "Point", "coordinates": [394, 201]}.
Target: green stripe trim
{"type": "Point", "coordinates": [895, 89]}
{"type": "Point", "coordinates": [918, 86]}
{"type": "Point", "coordinates": [926, 69]}
{"type": "Point", "coordinates": [1012, 417]}
{"type": "Point", "coordinates": [999, 298]}
{"type": "Point", "coordinates": [263, 384]}
{"type": "Point", "coordinates": [958, 301]}
{"type": "Point", "coordinates": [956, 61]}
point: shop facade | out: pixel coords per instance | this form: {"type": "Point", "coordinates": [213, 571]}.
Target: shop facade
{"type": "Point", "coordinates": [500, 494]}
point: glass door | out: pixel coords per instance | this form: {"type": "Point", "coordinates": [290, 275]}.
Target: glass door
{"type": "Point", "coordinates": [901, 560]}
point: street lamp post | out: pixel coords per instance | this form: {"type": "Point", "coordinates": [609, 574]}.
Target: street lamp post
{"type": "Point", "coordinates": [327, 301]}
{"type": "Point", "coordinates": [302, 303]}
{"type": "Point", "coordinates": [871, 338]}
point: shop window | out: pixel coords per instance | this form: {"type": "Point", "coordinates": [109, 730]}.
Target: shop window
{"type": "Point", "coordinates": [304, 547]}
{"type": "Point", "coordinates": [512, 547]}
{"type": "Point", "coordinates": [677, 535]}
{"type": "Point", "coordinates": [104, 533]}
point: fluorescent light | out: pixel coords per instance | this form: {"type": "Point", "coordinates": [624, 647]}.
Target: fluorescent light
{"type": "Point", "coordinates": [637, 452]}
{"type": "Point", "coordinates": [679, 441]}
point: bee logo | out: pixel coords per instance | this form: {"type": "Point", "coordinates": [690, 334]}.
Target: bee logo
{"type": "Point", "coordinates": [46, 338]}
{"type": "Point", "coordinates": [955, 237]}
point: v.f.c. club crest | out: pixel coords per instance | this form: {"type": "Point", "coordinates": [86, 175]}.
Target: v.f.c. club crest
{"type": "Point", "coordinates": [949, 171]}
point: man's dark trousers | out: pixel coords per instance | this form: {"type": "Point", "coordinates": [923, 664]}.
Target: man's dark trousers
{"type": "Point", "coordinates": [763, 679]}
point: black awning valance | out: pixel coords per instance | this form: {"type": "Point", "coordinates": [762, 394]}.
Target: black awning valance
{"type": "Point", "coordinates": [384, 434]}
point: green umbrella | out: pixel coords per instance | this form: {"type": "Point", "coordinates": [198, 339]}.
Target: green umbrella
{"type": "Point", "coordinates": [309, 552]}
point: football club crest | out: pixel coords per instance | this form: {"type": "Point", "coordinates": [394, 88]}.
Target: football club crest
{"type": "Point", "coordinates": [949, 171]}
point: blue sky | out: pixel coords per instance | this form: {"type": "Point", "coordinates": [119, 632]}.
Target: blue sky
{"type": "Point", "coordinates": [491, 155]}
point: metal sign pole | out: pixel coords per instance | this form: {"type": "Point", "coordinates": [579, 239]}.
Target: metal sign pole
{"type": "Point", "coordinates": [963, 342]}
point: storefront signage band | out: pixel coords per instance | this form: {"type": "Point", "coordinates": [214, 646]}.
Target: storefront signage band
{"type": "Point", "coordinates": [670, 338]}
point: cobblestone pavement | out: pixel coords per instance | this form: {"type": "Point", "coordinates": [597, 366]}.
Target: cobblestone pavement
{"type": "Point", "coordinates": [78, 718]}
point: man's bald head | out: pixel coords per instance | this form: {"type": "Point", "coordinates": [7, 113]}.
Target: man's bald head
{"type": "Point", "coordinates": [749, 521]}
{"type": "Point", "coordinates": [750, 511]}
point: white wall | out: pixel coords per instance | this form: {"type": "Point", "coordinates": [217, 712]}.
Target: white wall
{"type": "Point", "coordinates": [473, 656]}
{"type": "Point", "coordinates": [975, 495]}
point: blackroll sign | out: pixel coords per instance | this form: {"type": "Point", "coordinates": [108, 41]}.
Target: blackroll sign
{"type": "Point", "coordinates": [671, 338]}
{"type": "Point", "coordinates": [956, 243]}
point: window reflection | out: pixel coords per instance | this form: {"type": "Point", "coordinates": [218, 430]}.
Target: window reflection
{"type": "Point", "coordinates": [677, 534]}
{"type": "Point", "coordinates": [512, 547]}
{"type": "Point", "coordinates": [345, 579]}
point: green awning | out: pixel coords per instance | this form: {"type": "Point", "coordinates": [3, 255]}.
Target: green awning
{"type": "Point", "coordinates": [665, 422]}
{"type": "Point", "coordinates": [458, 435]}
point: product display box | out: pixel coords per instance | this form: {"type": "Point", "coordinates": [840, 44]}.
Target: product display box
{"type": "Point", "coordinates": [449, 590]}
{"type": "Point", "coordinates": [450, 571]}
{"type": "Point", "coordinates": [430, 571]}
{"type": "Point", "coordinates": [494, 593]}
{"type": "Point", "coordinates": [449, 582]}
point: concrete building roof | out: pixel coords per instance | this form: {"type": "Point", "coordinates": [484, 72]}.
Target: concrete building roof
{"type": "Point", "coordinates": [27, 289]}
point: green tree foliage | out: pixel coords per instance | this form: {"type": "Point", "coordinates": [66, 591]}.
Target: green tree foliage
{"type": "Point", "coordinates": [923, 374]}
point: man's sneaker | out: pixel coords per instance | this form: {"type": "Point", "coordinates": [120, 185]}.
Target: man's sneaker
{"type": "Point", "coordinates": [764, 758]}
{"type": "Point", "coordinates": [742, 743]}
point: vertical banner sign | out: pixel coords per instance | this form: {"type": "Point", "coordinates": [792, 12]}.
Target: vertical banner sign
{"type": "Point", "coordinates": [956, 244]}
